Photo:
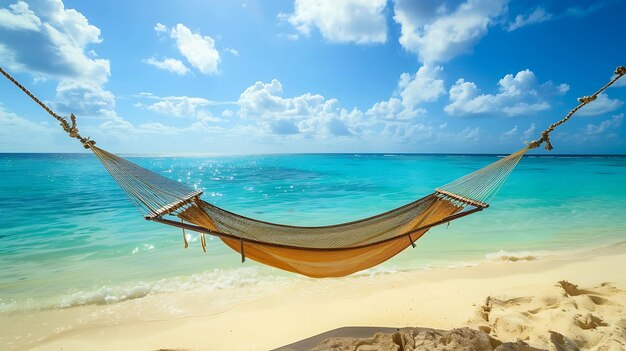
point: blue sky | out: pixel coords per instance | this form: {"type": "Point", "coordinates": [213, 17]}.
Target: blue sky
{"type": "Point", "coordinates": [246, 77]}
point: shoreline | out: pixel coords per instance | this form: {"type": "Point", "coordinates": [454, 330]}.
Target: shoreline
{"type": "Point", "coordinates": [434, 298]}
{"type": "Point", "coordinates": [238, 277]}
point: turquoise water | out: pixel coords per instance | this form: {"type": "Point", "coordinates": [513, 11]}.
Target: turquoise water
{"type": "Point", "coordinates": [69, 236]}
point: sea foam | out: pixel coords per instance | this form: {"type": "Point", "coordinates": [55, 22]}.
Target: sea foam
{"type": "Point", "coordinates": [508, 256]}
{"type": "Point", "coordinates": [217, 279]}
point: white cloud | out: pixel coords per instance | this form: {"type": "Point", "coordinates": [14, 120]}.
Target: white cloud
{"type": "Point", "coordinates": [469, 134]}
{"type": "Point", "coordinates": [408, 133]}
{"type": "Point", "coordinates": [601, 132]}
{"type": "Point", "coordinates": [20, 134]}
{"type": "Point", "coordinates": [358, 21]}
{"type": "Point", "coordinates": [604, 126]}
{"type": "Point", "coordinates": [603, 104]}
{"type": "Point", "coordinates": [538, 15]}
{"type": "Point", "coordinates": [198, 50]}
{"type": "Point", "coordinates": [307, 114]}
{"type": "Point", "coordinates": [530, 133]}
{"type": "Point", "coordinates": [160, 28]}
{"type": "Point", "coordinates": [524, 108]}
{"type": "Point", "coordinates": [178, 106]}
{"type": "Point", "coordinates": [263, 100]}
{"type": "Point", "coordinates": [620, 83]}
{"type": "Point", "coordinates": [518, 95]}
{"type": "Point", "coordinates": [425, 86]}
{"type": "Point", "coordinates": [157, 128]}
{"type": "Point", "coordinates": [437, 33]}
{"type": "Point", "coordinates": [19, 17]}
{"type": "Point", "coordinates": [232, 51]}
{"type": "Point", "coordinates": [394, 109]}
{"type": "Point", "coordinates": [169, 64]}
{"type": "Point", "coordinates": [509, 134]}
{"type": "Point", "coordinates": [63, 38]}
{"type": "Point", "coordinates": [83, 98]}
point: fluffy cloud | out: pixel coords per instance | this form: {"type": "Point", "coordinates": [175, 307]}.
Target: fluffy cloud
{"type": "Point", "coordinates": [19, 17]}
{"type": "Point", "coordinates": [620, 83]}
{"type": "Point", "coordinates": [469, 134]}
{"type": "Point", "coordinates": [537, 16]}
{"type": "Point", "coordinates": [232, 51]}
{"type": "Point", "coordinates": [309, 114]}
{"type": "Point", "coordinates": [358, 21]}
{"type": "Point", "coordinates": [509, 134]}
{"type": "Point", "coordinates": [530, 133]}
{"type": "Point", "coordinates": [45, 39]}
{"type": "Point", "coordinates": [198, 50]}
{"type": "Point", "coordinates": [518, 95]}
{"type": "Point", "coordinates": [263, 107]}
{"type": "Point", "coordinates": [169, 64]}
{"type": "Point", "coordinates": [83, 98]}
{"type": "Point", "coordinates": [409, 133]}
{"type": "Point", "coordinates": [50, 41]}
{"type": "Point", "coordinates": [437, 33]}
{"type": "Point", "coordinates": [604, 126]}
{"type": "Point", "coordinates": [178, 106]}
{"type": "Point", "coordinates": [605, 130]}
{"type": "Point", "coordinates": [16, 129]}
{"type": "Point", "coordinates": [425, 86]}
{"type": "Point", "coordinates": [603, 104]}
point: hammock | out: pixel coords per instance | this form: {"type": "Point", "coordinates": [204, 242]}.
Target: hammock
{"type": "Point", "coordinates": [326, 251]}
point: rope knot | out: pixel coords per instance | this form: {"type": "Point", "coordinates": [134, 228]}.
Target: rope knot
{"type": "Point", "coordinates": [534, 144]}
{"type": "Point", "coordinates": [545, 136]}
{"type": "Point", "coordinates": [587, 99]}
{"type": "Point", "coordinates": [87, 143]}
{"type": "Point", "coordinates": [620, 71]}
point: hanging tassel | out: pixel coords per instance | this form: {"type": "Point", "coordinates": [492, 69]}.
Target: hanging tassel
{"type": "Point", "coordinates": [184, 236]}
{"type": "Point", "coordinates": [411, 240]}
{"type": "Point", "coordinates": [243, 254]}
{"type": "Point", "coordinates": [203, 242]}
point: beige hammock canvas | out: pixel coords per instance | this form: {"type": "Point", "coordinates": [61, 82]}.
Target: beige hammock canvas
{"type": "Point", "coordinates": [327, 251]}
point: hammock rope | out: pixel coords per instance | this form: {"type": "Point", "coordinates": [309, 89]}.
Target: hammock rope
{"type": "Point", "coordinates": [545, 135]}
{"type": "Point", "coordinates": [325, 251]}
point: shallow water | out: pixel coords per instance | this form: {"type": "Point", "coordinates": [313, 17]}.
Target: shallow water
{"type": "Point", "coordinates": [69, 236]}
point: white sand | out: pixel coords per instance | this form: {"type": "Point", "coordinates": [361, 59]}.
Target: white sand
{"type": "Point", "coordinates": [526, 301]}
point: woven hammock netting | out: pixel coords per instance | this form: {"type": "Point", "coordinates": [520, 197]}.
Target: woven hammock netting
{"type": "Point", "coordinates": [327, 251]}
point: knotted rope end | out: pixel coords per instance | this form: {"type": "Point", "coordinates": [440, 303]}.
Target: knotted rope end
{"type": "Point", "coordinates": [587, 99]}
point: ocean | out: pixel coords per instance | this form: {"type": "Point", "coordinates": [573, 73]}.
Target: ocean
{"type": "Point", "coordinates": [70, 237]}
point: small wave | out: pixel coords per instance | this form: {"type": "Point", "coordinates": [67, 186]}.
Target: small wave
{"type": "Point", "coordinates": [218, 279]}
{"type": "Point", "coordinates": [144, 247]}
{"type": "Point", "coordinates": [507, 256]}
{"type": "Point", "coordinates": [374, 271]}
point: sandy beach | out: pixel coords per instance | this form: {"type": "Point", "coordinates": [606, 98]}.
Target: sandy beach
{"type": "Point", "coordinates": [580, 296]}
{"type": "Point", "coordinates": [382, 175]}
